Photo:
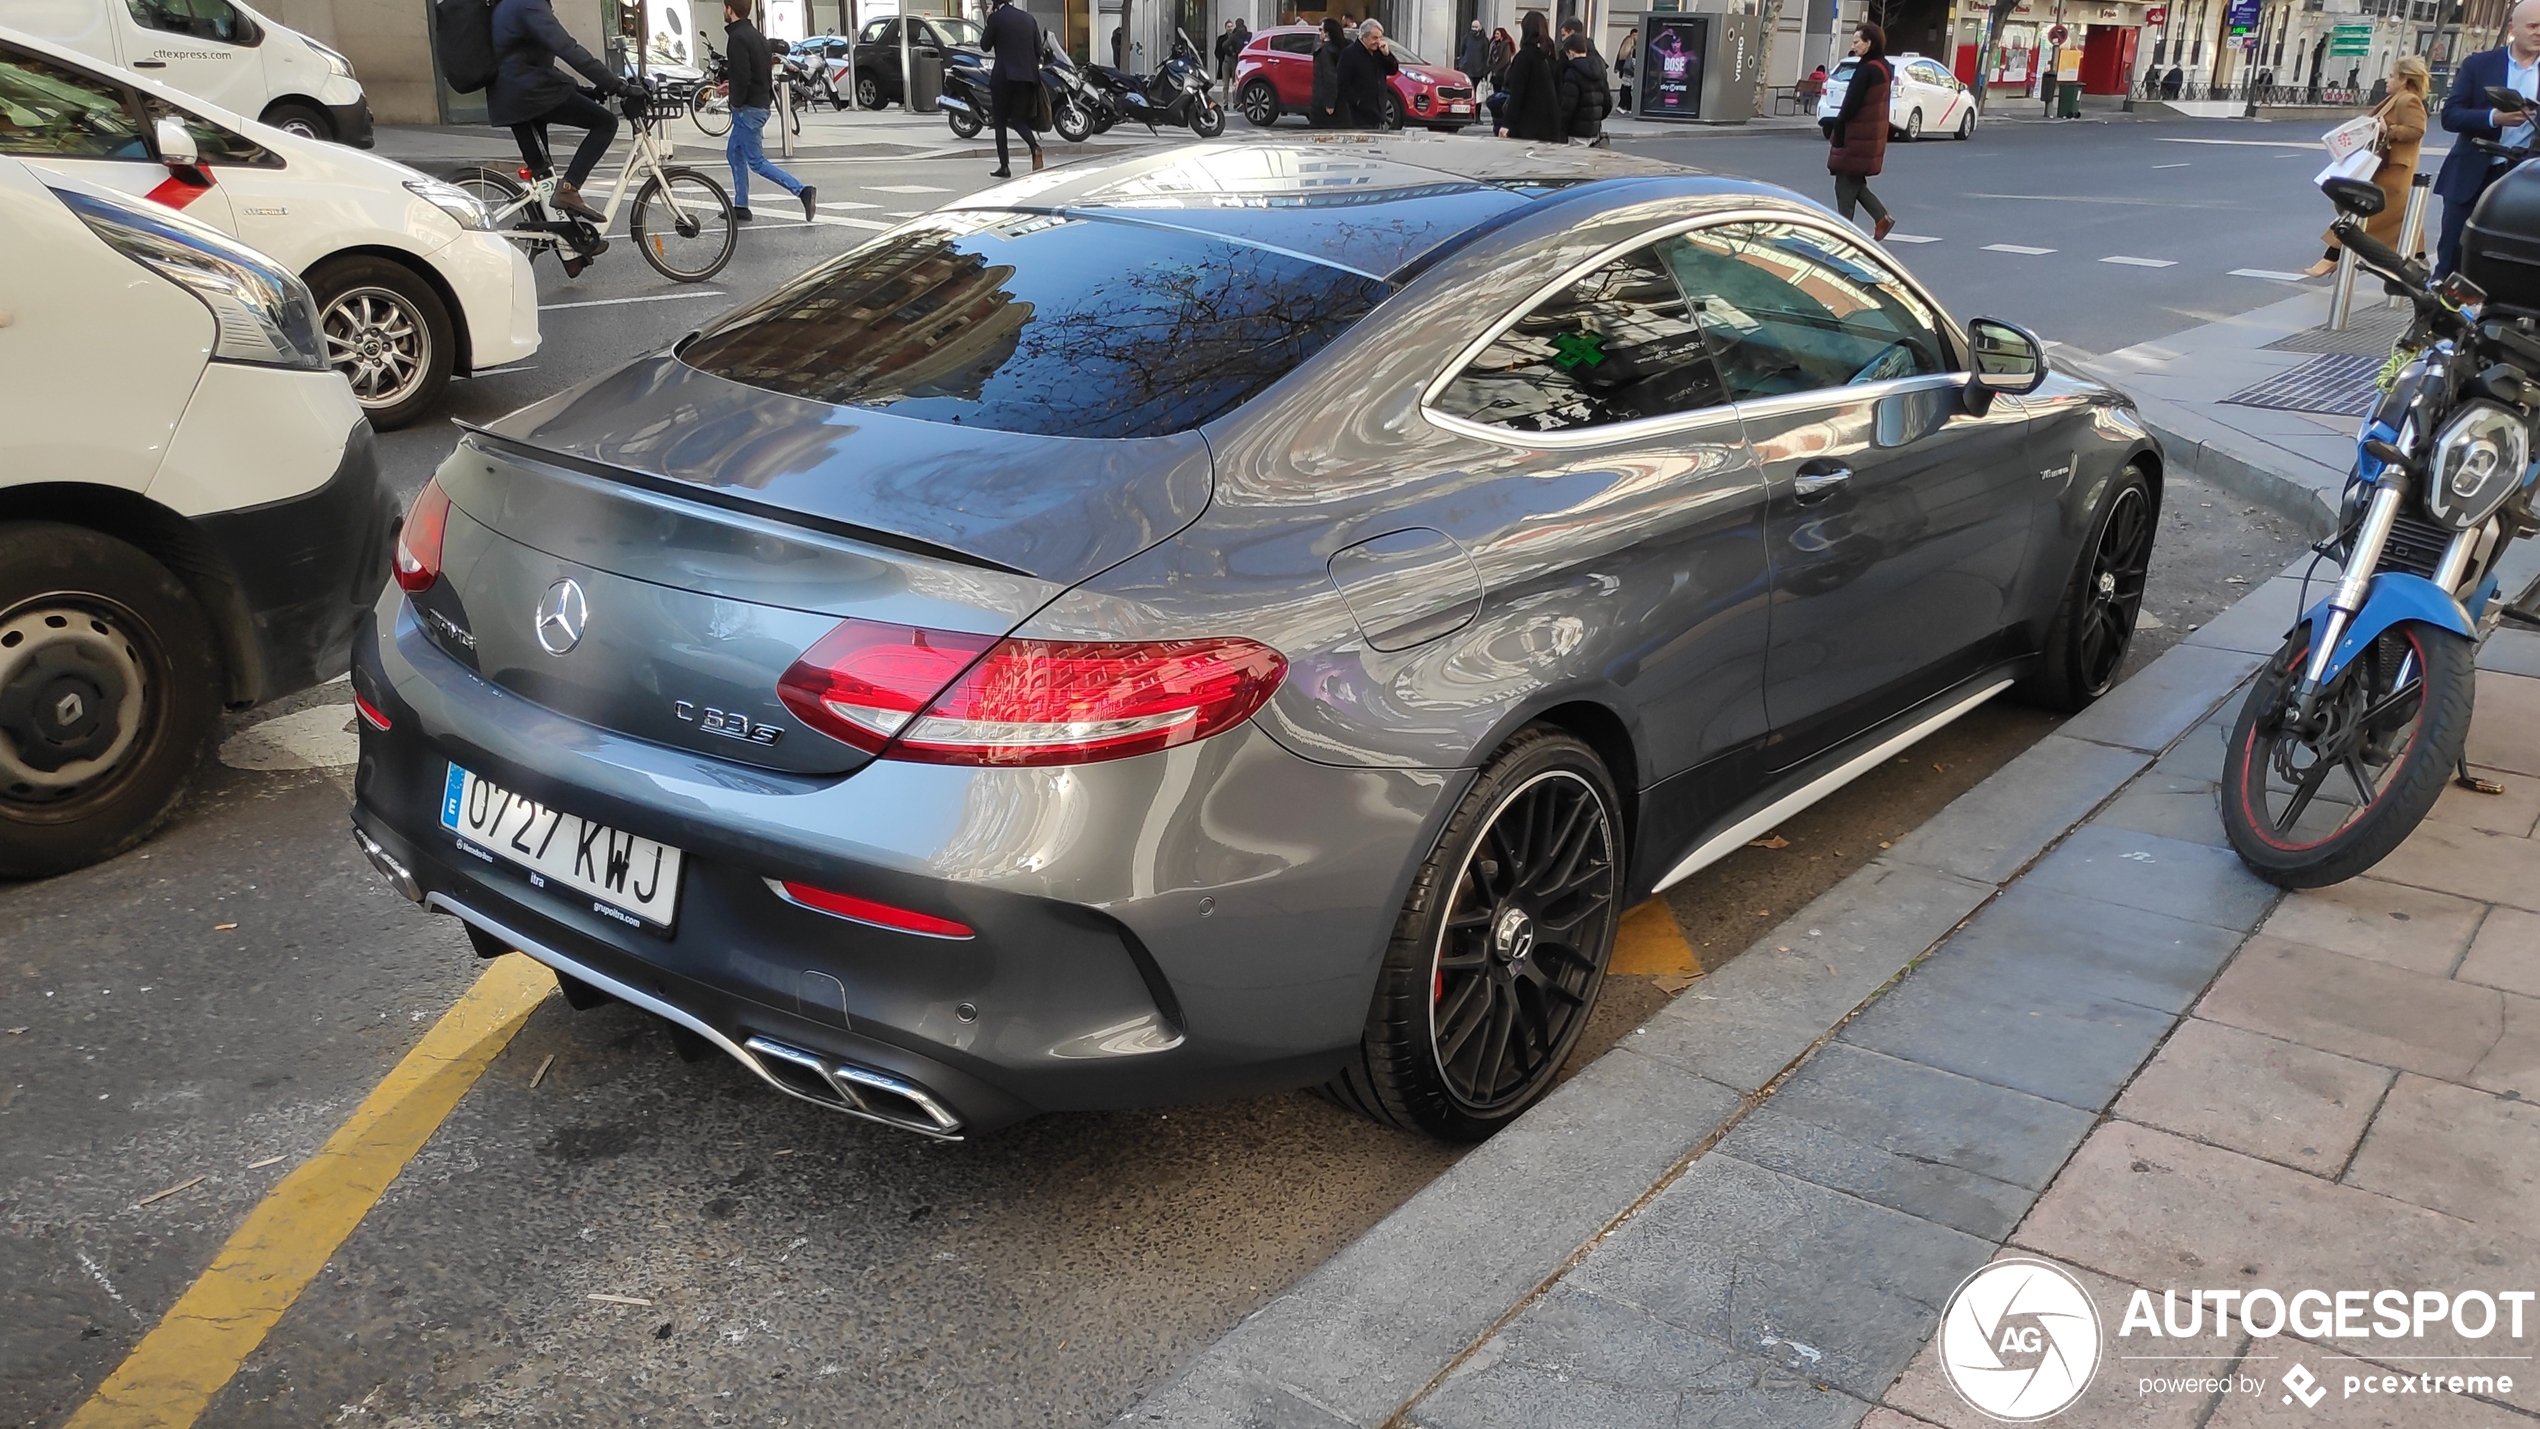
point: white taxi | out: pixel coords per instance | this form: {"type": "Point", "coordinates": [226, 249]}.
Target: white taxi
{"type": "Point", "coordinates": [1925, 99]}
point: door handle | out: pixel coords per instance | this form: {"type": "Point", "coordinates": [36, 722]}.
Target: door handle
{"type": "Point", "coordinates": [1817, 479]}
{"type": "Point", "coordinates": [149, 64]}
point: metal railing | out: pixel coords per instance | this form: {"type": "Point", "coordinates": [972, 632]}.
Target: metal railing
{"type": "Point", "coordinates": [2242, 91]}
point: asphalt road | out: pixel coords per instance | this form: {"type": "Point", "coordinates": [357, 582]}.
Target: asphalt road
{"type": "Point", "coordinates": [212, 1006]}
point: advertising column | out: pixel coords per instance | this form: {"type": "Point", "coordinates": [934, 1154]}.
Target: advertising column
{"type": "Point", "coordinates": [1671, 66]}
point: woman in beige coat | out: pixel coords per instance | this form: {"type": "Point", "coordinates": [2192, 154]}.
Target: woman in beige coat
{"type": "Point", "coordinates": [2402, 118]}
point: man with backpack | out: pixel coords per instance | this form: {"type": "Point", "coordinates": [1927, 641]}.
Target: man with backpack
{"type": "Point", "coordinates": [528, 93]}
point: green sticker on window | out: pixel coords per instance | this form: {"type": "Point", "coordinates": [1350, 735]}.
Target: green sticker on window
{"type": "Point", "coordinates": [1578, 349]}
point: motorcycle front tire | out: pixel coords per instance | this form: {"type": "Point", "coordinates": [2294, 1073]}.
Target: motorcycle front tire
{"type": "Point", "coordinates": [1208, 120]}
{"type": "Point", "coordinates": [963, 122]}
{"type": "Point", "coordinates": [1073, 124]}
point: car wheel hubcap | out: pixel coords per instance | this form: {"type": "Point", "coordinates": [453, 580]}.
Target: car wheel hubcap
{"type": "Point", "coordinates": [1518, 958]}
{"type": "Point", "coordinates": [379, 343]}
{"type": "Point", "coordinates": [2115, 592]}
{"type": "Point", "coordinates": [71, 698]}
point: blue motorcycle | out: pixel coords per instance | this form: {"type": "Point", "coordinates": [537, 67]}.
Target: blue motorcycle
{"type": "Point", "coordinates": [2351, 731]}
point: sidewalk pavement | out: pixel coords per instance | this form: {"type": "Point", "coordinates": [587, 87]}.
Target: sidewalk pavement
{"type": "Point", "coordinates": [2060, 1020]}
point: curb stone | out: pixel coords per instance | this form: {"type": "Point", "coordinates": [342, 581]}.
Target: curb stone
{"type": "Point", "coordinates": [1383, 1323]}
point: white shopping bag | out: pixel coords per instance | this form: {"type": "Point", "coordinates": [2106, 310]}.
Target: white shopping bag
{"type": "Point", "coordinates": [2359, 164]}
{"type": "Point", "coordinates": [2358, 134]}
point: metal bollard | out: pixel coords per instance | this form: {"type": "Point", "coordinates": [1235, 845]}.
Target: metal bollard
{"type": "Point", "coordinates": [2341, 302]}
{"type": "Point", "coordinates": [785, 115]}
{"type": "Point", "coordinates": [2412, 226]}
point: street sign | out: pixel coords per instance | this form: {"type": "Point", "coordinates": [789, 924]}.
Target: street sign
{"type": "Point", "coordinates": [2156, 15]}
{"type": "Point", "coordinates": [2057, 35]}
{"type": "Point", "coordinates": [2243, 15]}
{"type": "Point", "coordinates": [2350, 40]}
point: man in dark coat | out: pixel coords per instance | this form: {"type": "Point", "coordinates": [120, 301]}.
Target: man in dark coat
{"type": "Point", "coordinates": [1857, 135]}
{"type": "Point", "coordinates": [1225, 48]}
{"type": "Point", "coordinates": [750, 77]}
{"type": "Point", "coordinates": [529, 93]}
{"type": "Point", "coordinates": [1367, 68]}
{"type": "Point", "coordinates": [1474, 58]}
{"type": "Point", "coordinates": [1587, 95]}
{"type": "Point", "coordinates": [2468, 170]}
{"type": "Point", "coordinates": [1014, 37]}
{"type": "Point", "coordinates": [1322, 107]}
{"type": "Point", "coordinates": [1533, 110]}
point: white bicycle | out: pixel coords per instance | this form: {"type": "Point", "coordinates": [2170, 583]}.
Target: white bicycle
{"type": "Point", "coordinates": [680, 220]}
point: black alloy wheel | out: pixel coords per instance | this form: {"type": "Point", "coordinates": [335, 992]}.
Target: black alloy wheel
{"type": "Point", "coordinates": [2094, 626]}
{"type": "Point", "coordinates": [1500, 950]}
{"type": "Point", "coordinates": [1393, 110]}
{"type": "Point", "coordinates": [1260, 104]}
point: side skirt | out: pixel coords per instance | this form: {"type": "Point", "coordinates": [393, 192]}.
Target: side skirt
{"type": "Point", "coordinates": [1873, 748]}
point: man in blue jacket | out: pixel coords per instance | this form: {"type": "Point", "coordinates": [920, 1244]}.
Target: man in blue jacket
{"type": "Point", "coordinates": [2468, 170]}
{"type": "Point", "coordinates": [529, 93]}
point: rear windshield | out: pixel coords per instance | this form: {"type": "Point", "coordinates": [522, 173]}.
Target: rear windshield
{"type": "Point", "coordinates": [1040, 324]}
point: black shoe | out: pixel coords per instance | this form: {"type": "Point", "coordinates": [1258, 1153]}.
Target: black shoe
{"type": "Point", "coordinates": [1001, 173]}
{"type": "Point", "coordinates": [743, 215]}
{"type": "Point", "coordinates": [574, 264]}
{"type": "Point", "coordinates": [811, 202]}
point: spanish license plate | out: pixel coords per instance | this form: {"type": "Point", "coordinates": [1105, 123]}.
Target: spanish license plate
{"type": "Point", "coordinates": [633, 880]}
{"type": "Point", "coordinates": [1459, 109]}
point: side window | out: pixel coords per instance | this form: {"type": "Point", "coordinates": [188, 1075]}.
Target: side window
{"type": "Point", "coordinates": [1614, 346]}
{"type": "Point", "coordinates": [1293, 44]}
{"type": "Point", "coordinates": [196, 19]}
{"type": "Point", "coordinates": [1791, 308]}
{"type": "Point", "coordinates": [882, 32]}
{"type": "Point", "coordinates": [50, 110]}
{"type": "Point", "coordinates": [212, 143]}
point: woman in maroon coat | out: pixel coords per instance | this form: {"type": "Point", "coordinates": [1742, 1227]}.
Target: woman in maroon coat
{"type": "Point", "coordinates": [1857, 135]}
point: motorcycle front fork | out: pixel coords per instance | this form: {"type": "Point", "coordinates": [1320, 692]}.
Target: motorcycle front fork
{"type": "Point", "coordinates": [2349, 596]}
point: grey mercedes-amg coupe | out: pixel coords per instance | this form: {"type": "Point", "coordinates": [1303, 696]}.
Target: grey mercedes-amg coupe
{"type": "Point", "coordinates": [1243, 617]}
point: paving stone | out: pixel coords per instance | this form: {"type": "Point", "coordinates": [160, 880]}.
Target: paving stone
{"type": "Point", "coordinates": [1765, 1262]}
{"type": "Point", "coordinates": [1994, 829]}
{"type": "Point", "coordinates": [1576, 1358]}
{"type": "Point", "coordinates": [2115, 1398]}
{"type": "Point", "coordinates": [2504, 733]}
{"type": "Point", "coordinates": [2163, 699]}
{"type": "Point", "coordinates": [2295, 1105]}
{"type": "Point", "coordinates": [2514, 1064]}
{"type": "Point", "coordinates": [2506, 953]}
{"type": "Point", "coordinates": [2164, 1212]}
{"type": "Point", "coordinates": [2072, 1048]}
{"type": "Point", "coordinates": [2454, 1149]}
{"type": "Point", "coordinates": [2511, 652]}
{"type": "Point", "coordinates": [1742, 1025]}
{"type": "Point", "coordinates": [2198, 756]}
{"type": "Point", "coordinates": [1365, 1330]}
{"type": "Point", "coordinates": [2183, 809]}
{"type": "Point", "coordinates": [2160, 875]}
{"type": "Point", "coordinates": [1932, 1115]}
{"type": "Point", "coordinates": [2257, 622]}
{"type": "Point", "coordinates": [2357, 1008]}
{"type": "Point", "coordinates": [1946, 1195]}
{"type": "Point", "coordinates": [2386, 922]}
{"type": "Point", "coordinates": [2037, 941]}
{"type": "Point", "coordinates": [2515, 811]}
{"type": "Point", "coordinates": [1886, 1418]}
{"type": "Point", "coordinates": [2269, 1360]}
{"type": "Point", "coordinates": [2490, 868]}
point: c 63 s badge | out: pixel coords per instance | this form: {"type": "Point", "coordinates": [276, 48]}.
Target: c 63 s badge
{"type": "Point", "coordinates": [728, 723]}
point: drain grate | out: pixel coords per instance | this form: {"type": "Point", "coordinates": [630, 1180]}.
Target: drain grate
{"type": "Point", "coordinates": [2338, 383]}
{"type": "Point", "coordinates": [2371, 329]}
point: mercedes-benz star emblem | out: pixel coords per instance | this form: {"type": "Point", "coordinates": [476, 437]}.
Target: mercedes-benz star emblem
{"type": "Point", "coordinates": [562, 617]}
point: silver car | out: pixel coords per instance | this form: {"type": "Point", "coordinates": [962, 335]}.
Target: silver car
{"type": "Point", "coordinates": [1238, 618]}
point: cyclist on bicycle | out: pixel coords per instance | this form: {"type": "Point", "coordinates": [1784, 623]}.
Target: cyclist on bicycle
{"type": "Point", "coordinates": [529, 93]}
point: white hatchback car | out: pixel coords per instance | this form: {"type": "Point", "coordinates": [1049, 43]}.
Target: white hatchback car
{"type": "Point", "coordinates": [1925, 99]}
{"type": "Point", "coordinates": [191, 514]}
{"type": "Point", "coordinates": [412, 287]}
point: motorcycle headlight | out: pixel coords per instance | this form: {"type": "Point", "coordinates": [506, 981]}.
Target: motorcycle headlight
{"type": "Point", "coordinates": [2479, 460]}
{"type": "Point", "coordinates": [261, 312]}
{"type": "Point", "coordinates": [457, 202]}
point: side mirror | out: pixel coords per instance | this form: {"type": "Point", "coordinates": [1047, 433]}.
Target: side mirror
{"type": "Point", "coordinates": [2006, 358]}
{"type": "Point", "coordinates": [176, 143]}
{"type": "Point", "coordinates": [2510, 101]}
{"type": "Point", "coordinates": [2356, 196]}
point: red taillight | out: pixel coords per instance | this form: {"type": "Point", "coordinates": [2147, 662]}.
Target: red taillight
{"type": "Point", "coordinates": [865, 910]}
{"type": "Point", "coordinates": [419, 544]}
{"type": "Point", "coordinates": [943, 698]}
{"type": "Point", "coordinates": [370, 713]}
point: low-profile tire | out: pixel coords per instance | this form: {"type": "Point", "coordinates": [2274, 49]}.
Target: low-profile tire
{"type": "Point", "coordinates": [95, 631]}
{"type": "Point", "coordinates": [1499, 949]}
{"type": "Point", "coordinates": [2086, 644]}
{"type": "Point", "coordinates": [1260, 104]}
{"type": "Point", "coordinates": [388, 332]}
{"type": "Point", "coordinates": [306, 120]}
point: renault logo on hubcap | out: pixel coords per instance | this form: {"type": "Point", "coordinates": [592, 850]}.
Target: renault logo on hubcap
{"type": "Point", "coordinates": [1513, 934]}
{"type": "Point", "coordinates": [562, 617]}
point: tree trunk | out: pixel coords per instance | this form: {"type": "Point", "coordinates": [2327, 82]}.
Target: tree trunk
{"type": "Point", "coordinates": [1771, 14]}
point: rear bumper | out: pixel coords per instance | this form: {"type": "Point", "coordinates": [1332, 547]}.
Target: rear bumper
{"type": "Point", "coordinates": [1197, 924]}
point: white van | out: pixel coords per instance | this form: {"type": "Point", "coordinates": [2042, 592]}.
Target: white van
{"type": "Point", "coordinates": [191, 514]}
{"type": "Point", "coordinates": [216, 50]}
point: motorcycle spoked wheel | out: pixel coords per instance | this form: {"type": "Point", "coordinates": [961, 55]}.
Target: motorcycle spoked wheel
{"type": "Point", "coordinates": [2308, 808]}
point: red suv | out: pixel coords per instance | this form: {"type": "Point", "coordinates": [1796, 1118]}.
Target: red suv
{"type": "Point", "coordinates": [1275, 76]}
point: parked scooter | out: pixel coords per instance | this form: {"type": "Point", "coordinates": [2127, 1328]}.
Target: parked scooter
{"type": "Point", "coordinates": [968, 94]}
{"type": "Point", "coordinates": [1176, 94]}
{"type": "Point", "coordinates": [1076, 105]}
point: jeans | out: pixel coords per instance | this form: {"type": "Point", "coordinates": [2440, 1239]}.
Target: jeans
{"type": "Point", "coordinates": [1850, 189]}
{"type": "Point", "coordinates": [748, 157]}
{"type": "Point", "coordinates": [581, 112]}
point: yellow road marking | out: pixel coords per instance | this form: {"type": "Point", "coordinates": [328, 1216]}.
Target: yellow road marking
{"type": "Point", "coordinates": [170, 1377]}
{"type": "Point", "coordinates": [1650, 944]}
